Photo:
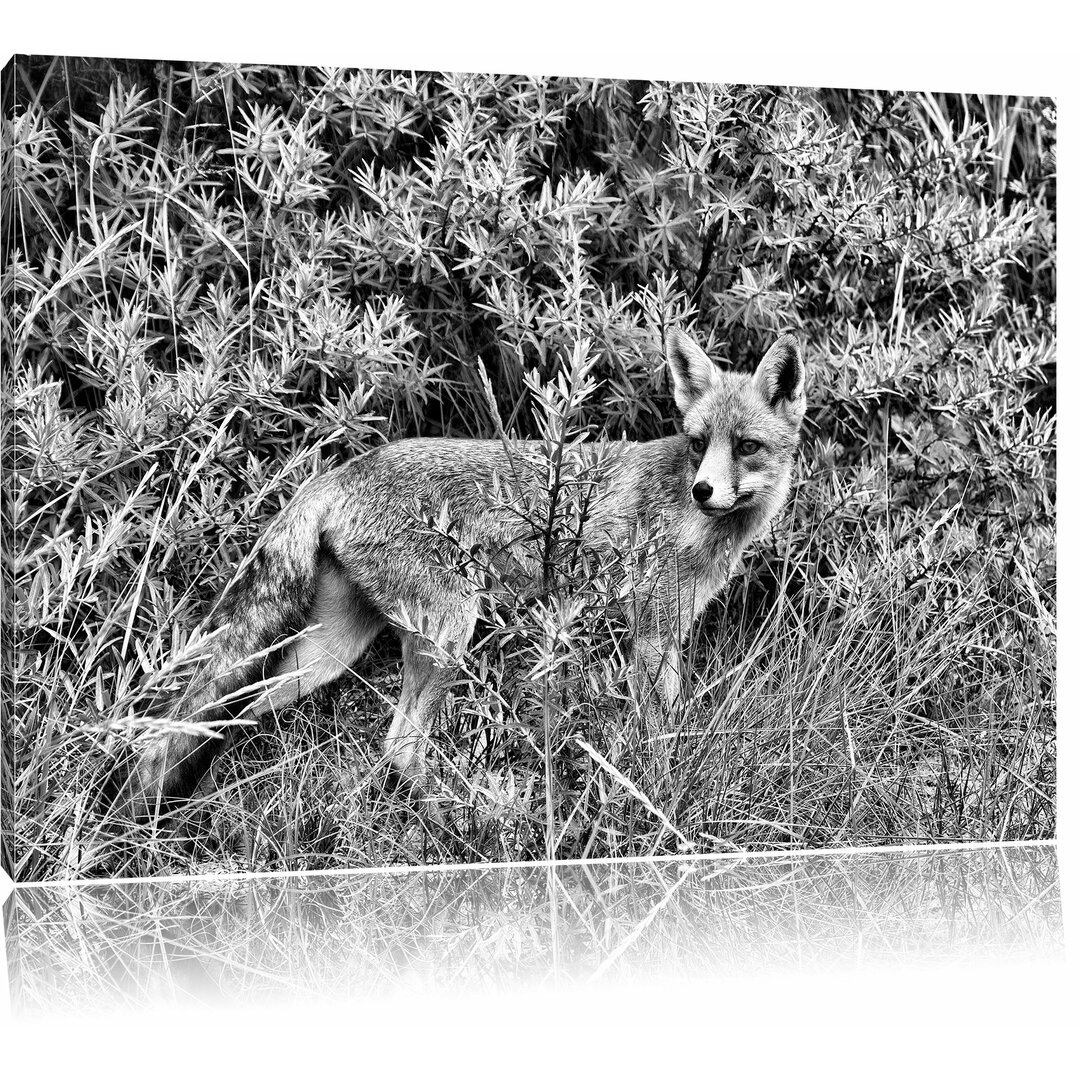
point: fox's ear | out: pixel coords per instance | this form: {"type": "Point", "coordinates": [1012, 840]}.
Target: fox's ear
{"type": "Point", "coordinates": [781, 378]}
{"type": "Point", "coordinates": [692, 372]}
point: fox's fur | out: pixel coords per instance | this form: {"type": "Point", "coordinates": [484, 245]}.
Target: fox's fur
{"type": "Point", "coordinates": [346, 558]}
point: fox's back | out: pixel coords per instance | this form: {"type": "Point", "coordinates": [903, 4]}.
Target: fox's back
{"type": "Point", "coordinates": [487, 486]}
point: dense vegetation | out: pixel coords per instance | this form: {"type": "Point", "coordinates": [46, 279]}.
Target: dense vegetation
{"type": "Point", "coordinates": [218, 279]}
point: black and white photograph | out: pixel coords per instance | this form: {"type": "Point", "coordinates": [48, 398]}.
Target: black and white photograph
{"type": "Point", "coordinates": [637, 495]}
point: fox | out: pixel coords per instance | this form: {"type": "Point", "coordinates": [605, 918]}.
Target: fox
{"type": "Point", "coordinates": [345, 559]}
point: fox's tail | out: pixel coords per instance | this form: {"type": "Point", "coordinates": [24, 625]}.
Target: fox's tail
{"type": "Point", "coordinates": [269, 600]}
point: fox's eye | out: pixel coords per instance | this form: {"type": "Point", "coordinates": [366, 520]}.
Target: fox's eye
{"type": "Point", "coordinates": [747, 447]}
{"type": "Point", "coordinates": [697, 445]}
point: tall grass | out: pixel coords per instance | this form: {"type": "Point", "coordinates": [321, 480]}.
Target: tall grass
{"type": "Point", "coordinates": [219, 280]}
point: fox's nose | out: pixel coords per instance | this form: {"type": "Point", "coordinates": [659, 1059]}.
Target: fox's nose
{"type": "Point", "coordinates": [702, 491]}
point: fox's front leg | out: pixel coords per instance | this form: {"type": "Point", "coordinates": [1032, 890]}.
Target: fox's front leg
{"type": "Point", "coordinates": [656, 673]}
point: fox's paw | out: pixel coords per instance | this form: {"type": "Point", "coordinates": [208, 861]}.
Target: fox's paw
{"type": "Point", "coordinates": [132, 787]}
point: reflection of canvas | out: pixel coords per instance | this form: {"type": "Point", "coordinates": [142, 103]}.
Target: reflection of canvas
{"type": "Point", "coordinates": [229, 279]}
{"type": "Point", "coordinates": [290, 939]}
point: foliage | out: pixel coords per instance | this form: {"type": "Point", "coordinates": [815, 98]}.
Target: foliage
{"type": "Point", "coordinates": [219, 278]}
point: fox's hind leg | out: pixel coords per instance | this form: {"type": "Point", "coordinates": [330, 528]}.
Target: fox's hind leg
{"type": "Point", "coordinates": [343, 625]}
{"type": "Point", "coordinates": [166, 770]}
{"type": "Point", "coordinates": [428, 671]}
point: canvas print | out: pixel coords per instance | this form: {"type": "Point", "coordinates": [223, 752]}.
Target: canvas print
{"type": "Point", "coordinates": [430, 467]}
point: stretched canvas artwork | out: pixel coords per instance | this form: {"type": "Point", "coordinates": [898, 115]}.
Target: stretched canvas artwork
{"type": "Point", "coordinates": [409, 467]}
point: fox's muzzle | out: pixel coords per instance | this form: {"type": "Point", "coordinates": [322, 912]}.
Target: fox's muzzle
{"type": "Point", "coordinates": [714, 502]}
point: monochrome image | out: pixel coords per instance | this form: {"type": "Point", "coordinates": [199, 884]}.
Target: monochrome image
{"type": "Point", "coordinates": [409, 467]}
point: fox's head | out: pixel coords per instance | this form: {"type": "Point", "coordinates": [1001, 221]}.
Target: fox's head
{"type": "Point", "coordinates": [741, 430]}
